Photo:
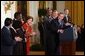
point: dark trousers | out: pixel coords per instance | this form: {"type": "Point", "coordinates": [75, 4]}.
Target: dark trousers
{"type": "Point", "coordinates": [55, 51]}
{"type": "Point", "coordinates": [52, 47]}
{"type": "Point", "coordinates": [19, 49]}
{"type": "Point", "coordinates": [6, 50]}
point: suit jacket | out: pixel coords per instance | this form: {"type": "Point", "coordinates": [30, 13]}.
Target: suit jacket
{"type": "Point", "coordinates": [14, 34]}
{"type": "Point", "coordinates": [40, 28]}
{"type": "Point", "coordinates": [46, 26]}
{"type": "Point", "coordinates": [47, 18]}
{"type": "Point", "coordinates": [69, 19]}
{"type": "Point", "coordinates": [51, 34]}
{"type": "Point", "coordinates": [7, 42]}
{"type": "Point", "coordinates": [67, 35]}
{"type": "Point", "coordinates": [54, 28]}
{"type": "Point", "coordinates": [62, 25]}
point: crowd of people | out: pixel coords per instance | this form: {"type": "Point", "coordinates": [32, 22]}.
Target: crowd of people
{"type": "Point", "coordinates": [16, 33]}
{"type": "Point", "coordinates": [51, 26]}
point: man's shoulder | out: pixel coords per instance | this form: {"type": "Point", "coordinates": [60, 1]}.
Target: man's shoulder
{"type": "Point", "coordinates": [4, 29]}
{"type": "Point", "coordinates": [46, 16]}
{"type": "Point", "coordinates": [56, 20]}
{"type": "Point", "coordinates": [53, 21]}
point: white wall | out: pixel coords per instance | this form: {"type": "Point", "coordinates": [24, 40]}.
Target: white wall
{"type": "Point", "coordinates": [10, 13]}
{"type": "Point", "coordinates": [49, 4]}
{"type": "Point", "coordinates": [2, 14]}
{"type": "Point", "coordinates": [60, 6]}
{"type": "Point", "coordinates": [33, 11]}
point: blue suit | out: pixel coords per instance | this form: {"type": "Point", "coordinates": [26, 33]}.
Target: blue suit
{"type": "Point", "coordinates": [7, 42]}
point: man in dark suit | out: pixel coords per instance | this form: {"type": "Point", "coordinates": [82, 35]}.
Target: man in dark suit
{"type": "Point", "coordinates": [66, 38]}
{"type": "Point", "coordinates": [52, 37]}
{"type": "Point", "coordinates": [43, 24]}
{"type": "Point", "coordinates": [7, 42]}
{"type": "Point", "coordinates": [61, 21]}
{"type": "Point", "coordinates": [40, 28]}
{"type": "Point", "coordinates": [67, 18]}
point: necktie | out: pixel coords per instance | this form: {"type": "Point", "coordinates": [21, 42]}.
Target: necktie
{"type": "Point", "coordinates": [61, 24]}
{"type": "Point", "coordinates": [66, 18]}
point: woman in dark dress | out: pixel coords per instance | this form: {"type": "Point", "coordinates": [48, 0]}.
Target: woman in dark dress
{"type": "Point", "coordinates": [19, 48]}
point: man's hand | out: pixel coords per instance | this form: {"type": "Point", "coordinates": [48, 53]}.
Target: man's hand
{"type": "Point", "coordinates": [25, 40]}
{"type": "Point", "coordinates": [67, 24]}
{"type": "Point", "coordinates": [33, 33]}
{"type": "Point", "coordinates": [61, 31]}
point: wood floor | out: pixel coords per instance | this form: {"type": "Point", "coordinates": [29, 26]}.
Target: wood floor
{"type": "Point", "coordinates": [43, 53]}
{"type": "Point", "coordinates": [79, 53]}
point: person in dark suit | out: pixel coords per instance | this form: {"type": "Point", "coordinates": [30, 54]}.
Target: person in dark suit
{"type": "Point", "coordinates": [7, 42]}
{"type": "Point", "coordinates": [40, 28]}
{"type": "Point", "coordinates": [69, 43]}
{"type": "Point", "coordinates": [51, 37]}
{"type": "Point", "coordinates": [61, 21]}
{"type": "Point", "coordinates": [57, 26]}
{"type": "Point", "coordinates": [67, 18]}
{"type": "Point", "coordinates": [66, 21]}
{"type": "Point", "coordinates": [41, 23]}
{"type": "Point", "coordinates": [82, 37]}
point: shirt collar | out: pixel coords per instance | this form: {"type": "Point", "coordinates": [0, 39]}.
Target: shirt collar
{"type": "Point", "coordinates": [7, 27]}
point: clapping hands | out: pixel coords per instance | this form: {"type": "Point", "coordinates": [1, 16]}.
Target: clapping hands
{"type": "Point", "coordinates": [60, 30]}
{"type": "Point", "coordinates": [33, 33]}
{"type": "Point", "coordinates": [18, 39]}
{"type": "Point", "coordinates": [67, 24]}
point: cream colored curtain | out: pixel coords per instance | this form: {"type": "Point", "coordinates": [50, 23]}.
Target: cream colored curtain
{"type": "Point", "coordinates": [42, 4]}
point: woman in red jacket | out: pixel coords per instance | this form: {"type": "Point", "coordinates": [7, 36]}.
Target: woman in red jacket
{"type": "Point", "coordinates": [28, 32]}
